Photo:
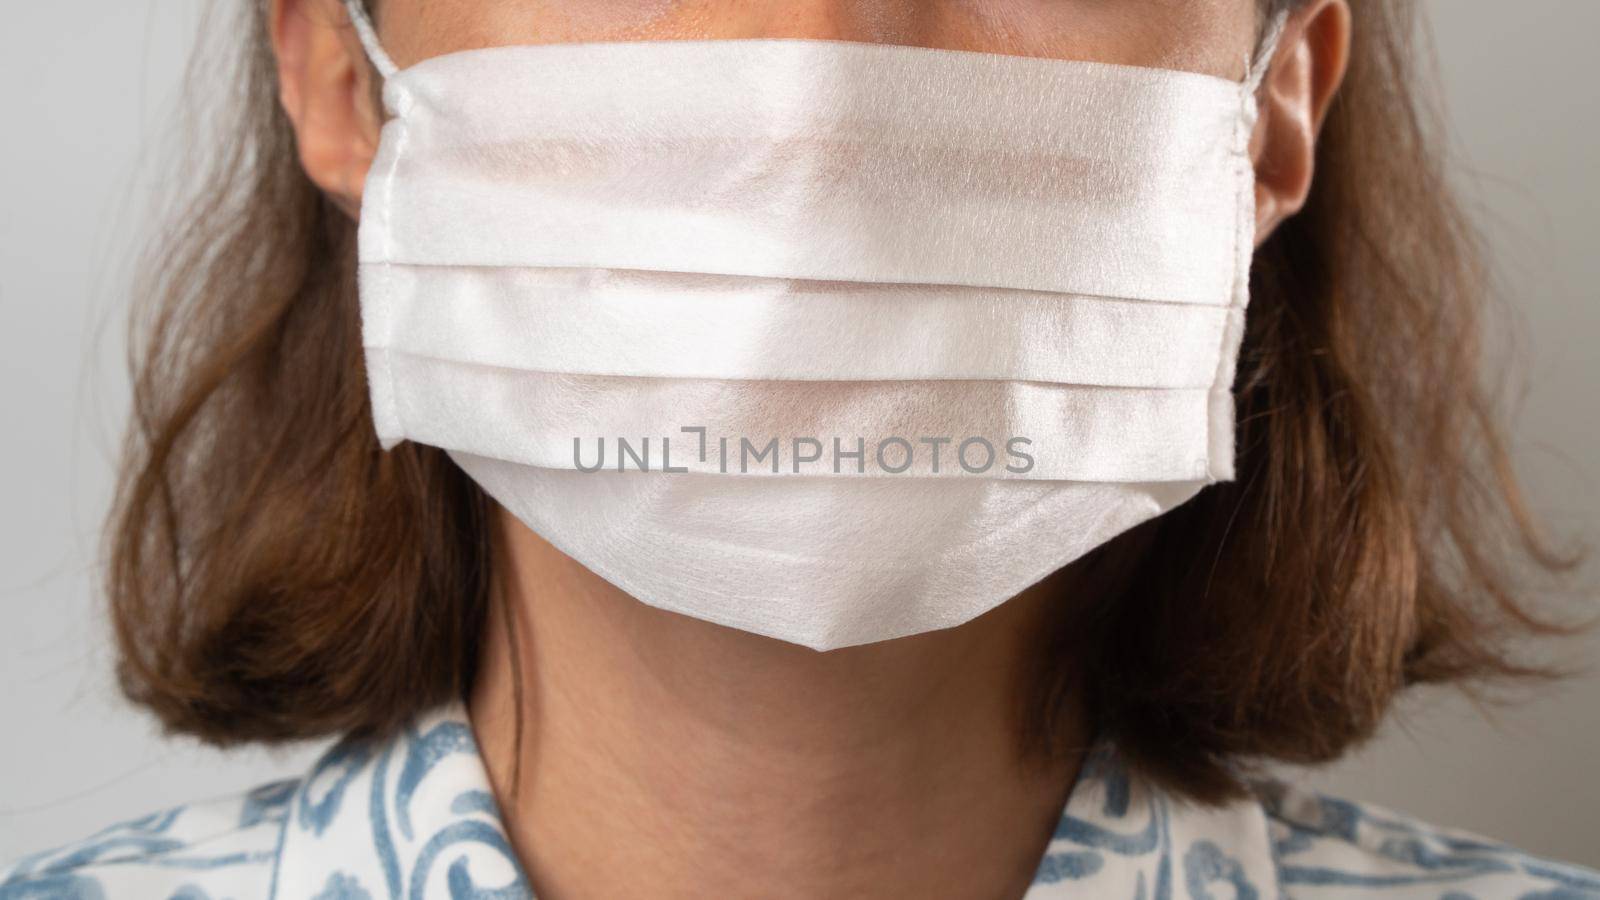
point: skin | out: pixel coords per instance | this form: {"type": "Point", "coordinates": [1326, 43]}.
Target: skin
{"type": "Point", "coordinates": [663, 756]}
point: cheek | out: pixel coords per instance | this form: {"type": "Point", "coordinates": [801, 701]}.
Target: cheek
{"type": "Point", "coordinates": [1210, 36]}
{"type": "Point", "coordinates": [591, 20]}
{"type": "Point", "coordinates": [417, 29]}
{"type": "Point", "coordinates": [1217, 37]}
{"type": "Point", "coordinates": [413, 30]}
{"type": "Point", "coordinates": [1213, 37]}
{"type": "Point", "coordinates": [609, 15]}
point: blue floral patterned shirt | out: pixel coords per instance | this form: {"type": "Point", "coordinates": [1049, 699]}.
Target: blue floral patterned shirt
{"type": "Point", "coordinates": [415, 818]}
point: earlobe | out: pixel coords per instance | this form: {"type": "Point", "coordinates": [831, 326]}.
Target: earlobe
{"type": "Point", "coordinates": [1294, 102]}
{"type": "Point", "coordinates": [325, 89]}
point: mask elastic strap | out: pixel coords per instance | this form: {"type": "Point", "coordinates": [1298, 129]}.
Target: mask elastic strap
{"type": "Point", "coordinates": [369, 38]}
{"type": "Point", "coordinates": [1264, 51]}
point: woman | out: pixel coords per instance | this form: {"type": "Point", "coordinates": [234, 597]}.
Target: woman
{"type": "Point", "coordinates": [324, 530]}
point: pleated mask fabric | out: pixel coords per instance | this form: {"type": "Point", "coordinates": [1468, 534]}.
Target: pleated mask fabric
{"type": "Point", "coordinates": [832, 342]}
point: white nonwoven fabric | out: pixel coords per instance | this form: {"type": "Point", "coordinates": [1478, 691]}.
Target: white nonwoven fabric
{"type": "Point", "coordinates": [771, 239]}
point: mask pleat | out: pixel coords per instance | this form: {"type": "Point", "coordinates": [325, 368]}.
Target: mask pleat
{"type": "Point", "coordinates": [753, 260]}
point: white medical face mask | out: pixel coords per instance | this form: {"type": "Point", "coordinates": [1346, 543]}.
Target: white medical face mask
{"type": "Point", "coordinates": [878, 336]}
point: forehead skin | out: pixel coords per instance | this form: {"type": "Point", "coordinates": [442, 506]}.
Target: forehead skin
{"type": "Point", "coordinates": [1214, 37]}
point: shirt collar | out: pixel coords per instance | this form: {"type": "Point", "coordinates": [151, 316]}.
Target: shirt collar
{"type": "Point", "coordinates": [410, 817]}
{"type": "Point", "coordinates": [1120, 836]}
{"type": "Point", "coordinates": [415, 817]}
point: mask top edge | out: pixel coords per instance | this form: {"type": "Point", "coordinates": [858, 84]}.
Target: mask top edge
{"type": "Point", "coordinates": [862, 48]}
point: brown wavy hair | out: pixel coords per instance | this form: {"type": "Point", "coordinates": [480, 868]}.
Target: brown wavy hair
{"type": "Point", "coordinates": [273, 575]}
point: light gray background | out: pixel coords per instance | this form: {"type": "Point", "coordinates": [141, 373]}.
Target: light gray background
{"type": "Point", "coordinates": [86, 93]}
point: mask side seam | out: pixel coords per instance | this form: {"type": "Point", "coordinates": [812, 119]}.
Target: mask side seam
{"type": "Point", "coordinates": [1222, 447]}
{"type": "Point", "coordinates": [378, 212]}
{"type": "Point", "coordinates": [402, 143]}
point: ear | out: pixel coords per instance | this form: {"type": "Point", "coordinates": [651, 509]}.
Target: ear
{"type": "Point", "coordinates": [327, 89]}
{"type": "Point", "coordinates": [1305, 74]}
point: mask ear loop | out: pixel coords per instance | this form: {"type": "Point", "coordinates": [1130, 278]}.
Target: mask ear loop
{"type": "Point", "coordinates": [369, 38]}
{"type": "Point", "coordinates": [1264, 51]}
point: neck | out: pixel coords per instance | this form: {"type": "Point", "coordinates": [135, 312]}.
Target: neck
{"type": "Point", "coordinates": [662, 756]}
